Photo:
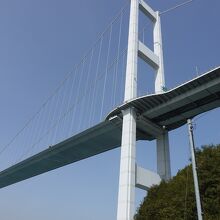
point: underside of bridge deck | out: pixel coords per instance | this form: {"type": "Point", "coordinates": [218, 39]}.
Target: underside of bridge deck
{"type": "Point", "coordinates": [155, 113]}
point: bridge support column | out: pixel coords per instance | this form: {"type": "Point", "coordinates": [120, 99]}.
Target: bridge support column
{"type": "Point", "coordinates": [163, 152]}
{"type": "Point", "coordinates": [158, 50]}
{"type": "Point", "coordinates": [163, 156]}
{"type": "Point", "coordinates": [126, 194]}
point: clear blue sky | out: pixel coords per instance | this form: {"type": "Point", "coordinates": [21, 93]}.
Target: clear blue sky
{"type": "Point", "coordinates": [40, 41]}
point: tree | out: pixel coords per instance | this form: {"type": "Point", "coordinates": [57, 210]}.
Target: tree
{"type": "Point", "coordinates": [175, 199]}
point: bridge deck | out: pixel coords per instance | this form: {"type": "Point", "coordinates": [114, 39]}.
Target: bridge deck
{"type": "Point", "coordinates": [169, 110]}
{"type": "Point", "coordinates": [172, 108]}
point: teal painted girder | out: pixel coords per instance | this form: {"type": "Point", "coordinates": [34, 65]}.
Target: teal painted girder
{"type": "Point", "coordinates": [156, 112]}
{"type": "Point", "coordinates": [98, 139]}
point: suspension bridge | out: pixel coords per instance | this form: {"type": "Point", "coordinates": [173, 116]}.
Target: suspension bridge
{"type": "Point", "coordinates": [98, 107]}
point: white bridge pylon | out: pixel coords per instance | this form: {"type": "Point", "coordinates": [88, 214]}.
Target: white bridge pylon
{"type": "Point", "coordinates": [131, 175]}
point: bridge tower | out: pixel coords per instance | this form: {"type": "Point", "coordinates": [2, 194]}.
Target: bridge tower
{"type": "Point", "coordinates": [131, 175]}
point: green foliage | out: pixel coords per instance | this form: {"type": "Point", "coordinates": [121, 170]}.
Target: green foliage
{"type": "Point", "coordinates": [176, 199]}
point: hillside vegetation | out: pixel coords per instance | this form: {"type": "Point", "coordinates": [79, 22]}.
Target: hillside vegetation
{"type": "Point", "coordinates": [175, 199]}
